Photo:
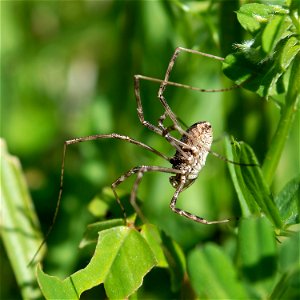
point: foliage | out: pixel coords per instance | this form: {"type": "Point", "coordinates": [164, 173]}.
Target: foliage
{"type": "Point", "coordinates": [78, 60]}
{"type": "Point", "coordinates": [19, 229]}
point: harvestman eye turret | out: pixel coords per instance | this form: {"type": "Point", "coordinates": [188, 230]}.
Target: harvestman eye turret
{"type": "Point", "coordinates": [191, 150]}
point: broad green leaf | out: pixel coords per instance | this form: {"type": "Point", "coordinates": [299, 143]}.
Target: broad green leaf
{"type": "Point", "coordinates": [152, 236]}
{"type": "Point", "coordinates": [19, 226]}
{"type": "Point", "coordinates": [168, 254]}
{"type": "Point", "coordinates": [257, 77]}
{"type": "Point", "coordinates": [250, 182]}
{"type": "Point", "coordinates": [251, 16]}
{"type": "Point", "coordinates": [248, 204]}
{"type": "Point", "coordinates": [289, 254]}
{"type": "Point", "coordinates": [286, 202]}
{"type": "Point", "coordinates": [91, 233]}
{"type": "Point", "coordinates": [121, 259]}
{"type": "Point", "coordinates": [260, 63]}
{"type": "Point", "coordinates": [254, 15]}
{"type": "Point", "coordinates": [256, 249]}
{"type": "Point", "coordinates": [276, 30]}
{"type": "Point", "coordinates": [176, 261]}
{"type": "Point", "coordinates": [288, 285]}
{"type": "Point", "coordinates": [213, 275]}
{"type": "Point", "coordinates": [289, 51]}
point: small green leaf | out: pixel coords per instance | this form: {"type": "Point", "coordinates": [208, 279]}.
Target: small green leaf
{"type": "Point", "coordinates": [213, 275]}
{"type": "Point", "coordinates": [256, 249]}
{"type": "Point", "coordinates": [252, 16]}
{"type": "Point", "coordinates": [121, 259]}
{"type": "Point", "coordinates": [275, 31]}
{"type": "Point", "coordinates": [251, 183]}
{"type": "Point", "coordinates": [289, 51]}
{"type": "Point", "coordinates": [151, 234]}
{"type": "Point", "coordinates": [286, 202]}
{"type": "Point", "coordinates": [176, 261]}
{"type": "Point", "coordinates": [289, 255]}
{"type": "Point", "coordinates": [167, 253]}
{"type": "Point", "coordinates": [288, 284]}
{"type": "Point", "coordinates": [260, 63]}
{"type": "Point", "coordinates": [248, 204]}
{"type": "Point", "coordinates": [91, 233]}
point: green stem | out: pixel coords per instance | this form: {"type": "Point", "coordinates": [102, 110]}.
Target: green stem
{"type": "Point", "coordinates": [287, 117]}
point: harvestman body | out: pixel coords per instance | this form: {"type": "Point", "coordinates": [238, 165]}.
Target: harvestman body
{"type": "Point", "coordinates": [191, 150]}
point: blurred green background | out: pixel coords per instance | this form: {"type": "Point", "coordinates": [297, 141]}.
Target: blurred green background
{"type": "Point", "coordinates": [67, 71]}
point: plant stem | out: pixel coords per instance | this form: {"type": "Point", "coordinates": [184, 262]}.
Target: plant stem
{"type": "Point", "coordinates": [286, 120]}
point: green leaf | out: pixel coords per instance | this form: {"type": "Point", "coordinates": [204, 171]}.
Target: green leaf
{"type": "Point", "coordinates": [168, 254]}
{"type": "Point", "coordinates": [288, 283]}
{"type": "Point", "coordinates": [176, 261]}
{"type": "Point", "coordinates": [121, 259]}
{"type": "Point", "coordinates": [250, 184]}
{"type": "Point", "coordinates": [19, 226]}
{"type": "Point", "coordinates": [288, 286]}
{"type": "Point", "coordinates": [91, 233]}
{"type": "Point", "coordinates": [257, 249]}
{"type": "Point", "coordinates": [289, 255]}
{"type": "Point", "coordinates": [275, 31]}
{"type": "Point", "coordinates": [213, 275]}
{"type": "Point", "coordinates": [289, 51]}
{"type": "Point", "coordinates": [253, 16]}
{"type": "Point", "coordinates": [248, 204]}
{"type": "Point", "coordinates": [286, 202]}
{"type": "Point", "coordinates": [259, 64]}
{"type": "Point", "coordinates": [151, 234]}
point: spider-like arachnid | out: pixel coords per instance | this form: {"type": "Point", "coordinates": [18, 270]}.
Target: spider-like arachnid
{"type": "Point", "coordinates": [191, 150]}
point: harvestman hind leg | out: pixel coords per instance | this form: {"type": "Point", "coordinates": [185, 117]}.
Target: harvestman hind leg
{"type": "Point", "coordinates": [139, 170]}
{"type": "Point", "coordinates": [91, 138]}
{"type": "Point", "coordinates": [186, 214]}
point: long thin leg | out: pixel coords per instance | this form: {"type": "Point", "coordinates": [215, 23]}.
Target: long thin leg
{"type": "Point", "coordinates": [165, 82]}
{"type": "Point", "coordinates": [160, 129]}
{"type": "Point", "coordinates": [133, 194]}
{"type": "Point", "coordinates": [140, 170]}
{"type": "Point", "coordinates": [187, 214]}
{"type": "Point", "coordinates": [84, 139]}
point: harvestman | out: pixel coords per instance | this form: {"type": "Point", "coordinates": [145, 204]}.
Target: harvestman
{"type": "Point", "coordinates": [191, 150]}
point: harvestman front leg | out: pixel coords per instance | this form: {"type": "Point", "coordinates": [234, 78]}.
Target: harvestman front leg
{"type": "Point", "coordinates": [160, 129]}
{"type": "Point", "coordinates": [165, 82]}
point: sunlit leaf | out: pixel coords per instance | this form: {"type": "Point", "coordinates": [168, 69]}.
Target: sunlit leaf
{"type": "Point", "coordinates": [276, 30]}
{"type": "Point", "coordinates": [286, 201]}
{"type": "Point", "coordinates": [254, 15]}
{"type": "Point", "coordinates": [250, 183]}
{"type": "Point", "coordinates": [121, 259]}
{"type": "Point", "coordinates": [213, 275]}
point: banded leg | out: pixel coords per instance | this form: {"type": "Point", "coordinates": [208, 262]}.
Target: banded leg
{"type": "Point", "coordinates": [187, 214]}
{"type": "Point", "coordinates": [165, 82]}
{"type": "Point", "coordinates": [139, 170]}
{"type": "Point", "coordinates": [160, 129]}
{"type": "Point", "coordinates": [84, 139]}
